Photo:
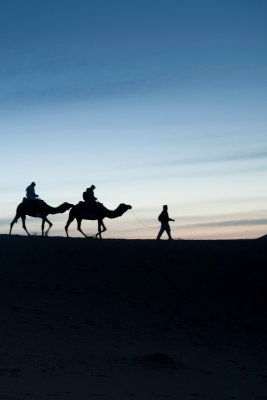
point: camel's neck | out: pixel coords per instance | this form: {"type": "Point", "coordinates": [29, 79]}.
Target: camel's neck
{"type": "Point", "coordinates": [56, 210]}
{"type": "Point", "coordinates": [114, 213]}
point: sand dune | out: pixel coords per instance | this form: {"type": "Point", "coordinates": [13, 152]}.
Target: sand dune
{"type": "Point", "coordinates": [132, 319]}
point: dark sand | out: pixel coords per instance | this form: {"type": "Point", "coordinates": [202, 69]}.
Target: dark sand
{"type": "Point", "coordinates": [132, 319]}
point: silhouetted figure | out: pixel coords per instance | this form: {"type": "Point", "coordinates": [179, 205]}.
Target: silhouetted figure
{"type": "Point", "coordinates": [30, 192]}
{"type": "Point", "coordinates": [89, 196]}
{"type": "Point", "coordinates": [164, 220]}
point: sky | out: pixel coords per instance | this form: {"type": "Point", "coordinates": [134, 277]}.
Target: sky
{"type": "Point", "coordinates": [153, 102]}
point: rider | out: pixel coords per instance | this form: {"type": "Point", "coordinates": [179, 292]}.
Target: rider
{"type": "Point", "coordinates": [34, 200]}
{"type": "Point", "coordinates": [89, 196]}
{"type": "Point", "coordinates": [30, 192]}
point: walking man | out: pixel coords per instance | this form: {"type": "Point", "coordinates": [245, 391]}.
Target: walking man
{"type": "Point", "coordinates": [164, 220]}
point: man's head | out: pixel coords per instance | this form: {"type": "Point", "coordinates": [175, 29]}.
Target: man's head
{"type": "Point", "coordinates": [165, 207]}
{"type": "Point", "coordinates": [33, 184]}
{"type": "Point", "coordinates": [92, 187]}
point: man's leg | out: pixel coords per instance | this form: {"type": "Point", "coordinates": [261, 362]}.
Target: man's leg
{"type": "Point", "coordinates": [160, 232]}
{"type": "Point", "coordinates": [168, 230]}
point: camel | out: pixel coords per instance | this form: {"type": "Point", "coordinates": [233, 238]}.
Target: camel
{"type": "Point", "coordinates": [39, 209]}
{"type": "Point", "coordinates": [82, 211]}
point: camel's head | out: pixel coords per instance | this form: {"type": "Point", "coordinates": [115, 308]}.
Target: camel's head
{"type": "Point", "coordinates": [124, 207]}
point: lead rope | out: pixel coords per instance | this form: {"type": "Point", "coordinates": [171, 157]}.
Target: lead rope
{"type": "Point", "coordinates": [141, 222]}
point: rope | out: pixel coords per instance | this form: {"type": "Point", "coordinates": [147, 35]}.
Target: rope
{"type": "Point", "coordinates": [142, 223]}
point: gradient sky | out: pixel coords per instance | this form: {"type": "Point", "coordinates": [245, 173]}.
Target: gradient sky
{"type": "Point", "coordinates": [153, 102]}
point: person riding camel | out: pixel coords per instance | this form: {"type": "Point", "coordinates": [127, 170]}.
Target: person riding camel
{"type": "Point", "coordinates": [89, 197]}
{"type": "Point", "coordinates": [33, 198]}
{"type": "Point", "coordinates": [30, 192]}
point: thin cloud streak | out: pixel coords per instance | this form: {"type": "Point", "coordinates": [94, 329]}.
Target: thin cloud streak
{"type": "Point", "coordinates": [256, 155]}
{"type": "Point", "coordinates": [66, 86]}
{"type": "Point", "coordinates": [144, 176]}
{"type": "Point", "coordinates": [228, 223]}
{"type": "Point", "coordinates": [236, 200]}
{"type": "Point", "coordinates": [5, 221]}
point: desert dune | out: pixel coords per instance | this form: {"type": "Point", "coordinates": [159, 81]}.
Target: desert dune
{"type": "Point", "coordinates": [132, 319]}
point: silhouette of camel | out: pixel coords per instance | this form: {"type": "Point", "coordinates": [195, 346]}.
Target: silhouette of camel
{"type": "Point", "coordinates": [38, 209]}
{"type": "Point", "coordinates": [81, 211]}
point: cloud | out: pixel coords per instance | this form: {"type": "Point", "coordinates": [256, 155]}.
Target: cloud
{"type": "Point", "coordinates": [163, 175]}
{"type": "Point", "coordinates": [5, 221]}
{"type": "Point", "coordinates": [229, 223]}
{"type": "Point", "coordinates": [79, 82]}
{"type": "Point", "coordinates": [246, 156]}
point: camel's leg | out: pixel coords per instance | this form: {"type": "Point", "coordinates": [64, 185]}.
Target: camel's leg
{"type": "Point", "coordinates": [23, 218]}
{"type": "Point", "coordinates": [79, 222]}
{"type": "Point", "coordinates": [43, 224]}
{"type": "Point", "coordinates": [13, 222]}
{"type": "Point", "coordinates": [100, 224]}
{"type": "Point", "coordinates": [44, 220]}
{"type": "Point", "coordinates": [70, 219]}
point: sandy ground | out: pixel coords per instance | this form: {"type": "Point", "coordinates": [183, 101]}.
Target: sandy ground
{"type": "Point", "coordinates": [132, 319]}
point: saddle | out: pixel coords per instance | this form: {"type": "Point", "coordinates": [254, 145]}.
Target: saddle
{"type": "Point", "coordinates": [35, 205]}
{"type": "Point", "coordinates": [91, 208]}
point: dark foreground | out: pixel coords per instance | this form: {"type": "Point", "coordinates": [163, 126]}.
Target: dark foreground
{"type": "Point", "coordinates": [132, 319]}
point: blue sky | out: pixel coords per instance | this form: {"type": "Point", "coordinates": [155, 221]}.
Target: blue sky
{"type": "Point", "coordinates": [153, 102]}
